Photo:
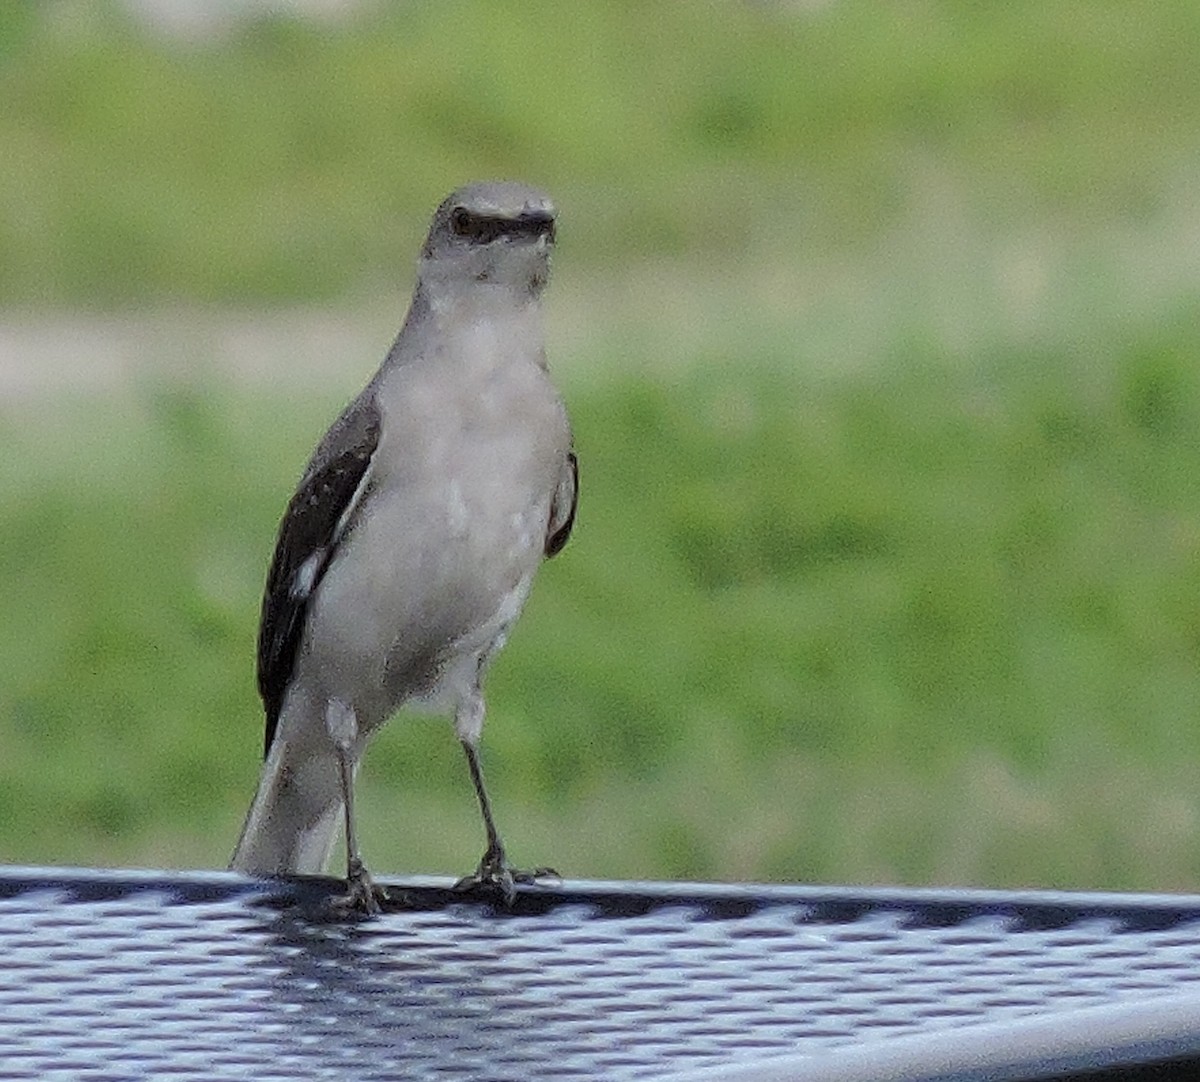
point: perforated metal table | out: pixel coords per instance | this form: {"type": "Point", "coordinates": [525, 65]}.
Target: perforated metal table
{"type": "Point", "coordinates": [210, 976]}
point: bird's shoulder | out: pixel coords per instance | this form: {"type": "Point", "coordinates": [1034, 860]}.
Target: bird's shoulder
{"type": "Point", "coordinates": [563, 506]}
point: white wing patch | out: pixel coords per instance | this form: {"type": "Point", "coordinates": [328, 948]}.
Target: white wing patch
{"type": "Point", "coordinates": [306, 576]}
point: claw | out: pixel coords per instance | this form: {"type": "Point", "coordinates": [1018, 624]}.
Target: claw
{"type": "Point", "coordinates": [362, 895]}
{"type": "Point", "coordinates": [496, 874]}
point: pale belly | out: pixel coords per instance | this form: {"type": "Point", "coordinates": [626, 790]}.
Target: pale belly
{"type": "Point", "coordinates": [429, 580]}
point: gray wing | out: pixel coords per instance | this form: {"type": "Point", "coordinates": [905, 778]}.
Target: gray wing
{"type": "Point", "coordinates": [315, 520]}
{"type": "Point", "coordinates": [562, 509]}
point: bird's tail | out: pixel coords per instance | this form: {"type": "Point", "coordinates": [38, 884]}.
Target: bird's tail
{"type": "Point", "coordinates": [293, 823]}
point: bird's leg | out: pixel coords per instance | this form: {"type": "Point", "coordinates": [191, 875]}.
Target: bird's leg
{"type": "Point", "coordinates": [494, 871]}
{"type": "Point", "coordinates": [361, 892]}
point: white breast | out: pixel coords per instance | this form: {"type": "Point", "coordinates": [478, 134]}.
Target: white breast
{"type": "Point", "coordinates": [441, 558]}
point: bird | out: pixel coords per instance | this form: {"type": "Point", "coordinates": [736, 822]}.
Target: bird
{"type": "Point", "coordinates": [411, 542]}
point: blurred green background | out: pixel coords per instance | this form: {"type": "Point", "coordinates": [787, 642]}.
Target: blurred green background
{"type": "Point", "coordinates": [878, 321]}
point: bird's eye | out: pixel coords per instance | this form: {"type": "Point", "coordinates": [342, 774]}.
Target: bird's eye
{"type": "Point", "coordinates": [460, 221]}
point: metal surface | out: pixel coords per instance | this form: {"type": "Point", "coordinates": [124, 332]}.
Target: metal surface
{"type": "Point", "coordinates": [115, 975]}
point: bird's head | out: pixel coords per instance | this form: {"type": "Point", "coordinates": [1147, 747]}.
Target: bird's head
{"type": "Point", "coordinates": [499, 232]}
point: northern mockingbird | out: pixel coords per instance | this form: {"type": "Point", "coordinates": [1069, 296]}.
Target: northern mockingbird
{"type": "Point", "coordinates": [411, 542]}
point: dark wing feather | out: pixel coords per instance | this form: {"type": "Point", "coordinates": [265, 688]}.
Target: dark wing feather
{"type": "Point", "coordinates": [308, 537]}
{"type": "Point", "coordinates": [562, 509]}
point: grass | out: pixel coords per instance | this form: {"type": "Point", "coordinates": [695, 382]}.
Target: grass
{"type": "Point", "coordinates": [294, 159]}
{"type": "Point", "coordinates": [930, 623]}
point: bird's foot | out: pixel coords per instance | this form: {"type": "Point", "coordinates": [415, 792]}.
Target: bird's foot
{"type": "Point", "coordinates": [495, 874]}
{"type": "Point", "coordinates": [362, 895]}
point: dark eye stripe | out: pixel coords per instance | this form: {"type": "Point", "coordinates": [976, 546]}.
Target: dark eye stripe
{"type": "Point", "coordinates": [483, 229]}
